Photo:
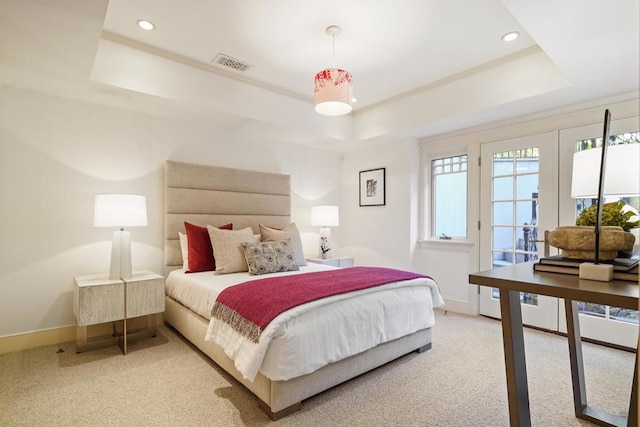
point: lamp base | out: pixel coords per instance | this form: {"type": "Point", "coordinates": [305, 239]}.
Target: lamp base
{"type": "Point", "coordinates": [599, 272]}
{"type": "Point", "coordinates": [325, 234]}
{"type": "Point", "coordinates": [120, 267]}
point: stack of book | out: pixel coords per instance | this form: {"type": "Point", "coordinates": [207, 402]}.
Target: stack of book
{"type": "Point", "coordinates": [623, 268]}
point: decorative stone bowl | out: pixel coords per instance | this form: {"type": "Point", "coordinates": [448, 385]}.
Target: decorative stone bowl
{"type": "Point", "coordinates": [578, 242]}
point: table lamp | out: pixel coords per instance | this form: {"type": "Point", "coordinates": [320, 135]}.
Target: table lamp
{"type": "Point", "coordinates": [325, 216]}
{"type": "Point", "coordinates": [120, 210]}
{"type": "Point", "coordinates": [620, 179]}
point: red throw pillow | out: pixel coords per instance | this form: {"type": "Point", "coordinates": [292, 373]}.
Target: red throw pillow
{"type": "Point", "coordinates": [199, 247]}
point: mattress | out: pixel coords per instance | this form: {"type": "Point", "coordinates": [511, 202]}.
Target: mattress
{"type": "Point", "coordinates": [313, 335]}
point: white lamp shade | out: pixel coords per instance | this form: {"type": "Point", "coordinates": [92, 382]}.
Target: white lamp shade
{"type": "Point", "coordinates": [333, 92]}
{"type": "Point", "coordinates": [120, 210]}
{"type": "Point", "coordinates": [622, 172]}
{"type": "Point", "coordinates": [325, 216]}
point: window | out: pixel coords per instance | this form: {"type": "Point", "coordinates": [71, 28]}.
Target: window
{"type": "Point", "coordinates": [449, 196]}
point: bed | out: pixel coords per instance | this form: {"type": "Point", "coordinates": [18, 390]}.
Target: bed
{"type": "Point", "coordinates": [202, 194]}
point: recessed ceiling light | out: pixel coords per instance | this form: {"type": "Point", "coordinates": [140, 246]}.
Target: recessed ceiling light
{"type": "Point", "coordinates": [509, 37]}
{"type": "Point", "coordinates": [146, 25]}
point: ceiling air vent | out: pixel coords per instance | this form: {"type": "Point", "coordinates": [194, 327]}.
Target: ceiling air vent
{"type": "Point", "coordinates": [229, 62]}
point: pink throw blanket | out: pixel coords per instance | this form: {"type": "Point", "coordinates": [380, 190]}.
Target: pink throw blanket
{"type": "Point", "coordinates": [249, 307]}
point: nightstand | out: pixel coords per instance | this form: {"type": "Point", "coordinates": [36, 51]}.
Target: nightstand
{"type": "Point", "coordinates": [98, 299]}
{"type": "Point", "coordinates": [336, 262]}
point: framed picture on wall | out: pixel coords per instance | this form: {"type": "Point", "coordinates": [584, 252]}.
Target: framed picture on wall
{"type": "Point", "coordinates": [372, 187]}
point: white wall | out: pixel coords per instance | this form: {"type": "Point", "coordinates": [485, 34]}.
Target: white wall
{"type": "Point", "coordinates": [381, 235]}
{"type": "Point", "coordinates": [56, 154]}
{"type": "Point", "coordinates": [389, 235]}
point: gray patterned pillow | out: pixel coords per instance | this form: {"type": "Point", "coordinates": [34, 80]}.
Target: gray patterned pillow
{"type": "Point", "coordinates": [269, 257]}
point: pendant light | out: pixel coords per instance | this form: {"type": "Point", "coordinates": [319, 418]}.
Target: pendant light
{"type": "Point", "coordinates": [333, 86]}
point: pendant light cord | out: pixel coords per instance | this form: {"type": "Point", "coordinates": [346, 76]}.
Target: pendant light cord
{"type": "Point", "coordinates": [333, 36]}
{"type": "Point", "coordinates": [333, 31]}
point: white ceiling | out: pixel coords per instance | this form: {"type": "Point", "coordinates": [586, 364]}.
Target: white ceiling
{"type": "Point", "coordinates": [420, 67]}
{"type": "Point", "coordinates": [389, 46]}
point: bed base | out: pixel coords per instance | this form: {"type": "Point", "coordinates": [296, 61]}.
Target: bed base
{"type": "Point", "coordinates": [424, 348]}
{"type": "Point", "coordinates": [281, 398]}
{"type": "Point", "coordinates": [275, 416]}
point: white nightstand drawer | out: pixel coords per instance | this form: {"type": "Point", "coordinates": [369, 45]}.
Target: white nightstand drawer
{"type": "Point", "coordinates": [145, 294]}
{"type": "Point", "coordinates": [98, 299]}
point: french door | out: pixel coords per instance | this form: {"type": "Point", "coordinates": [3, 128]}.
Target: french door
{"type": "Point", "coordinates": [599, 322]}
{"type": "Point", "coordinates": [518, 196]}
{"type": "Point", "coordinates": [525, 189]}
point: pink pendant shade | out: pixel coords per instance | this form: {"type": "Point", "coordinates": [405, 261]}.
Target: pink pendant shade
{"type": "Point", "coordinates": [333, 92]}
{"type": "Point", "coordinates": [333, 86]}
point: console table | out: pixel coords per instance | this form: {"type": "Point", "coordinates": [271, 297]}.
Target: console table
{"type": "Point", "coordinates": [512, 280]}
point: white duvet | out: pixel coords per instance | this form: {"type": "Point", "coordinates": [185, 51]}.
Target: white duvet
{"type": "Point", "coordinates": [315, 334]}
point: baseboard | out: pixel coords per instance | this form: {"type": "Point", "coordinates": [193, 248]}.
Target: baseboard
{"type": "Point", "coordinates": [457, 306]}
{"type": "Point", "coordinates": [29, 340]}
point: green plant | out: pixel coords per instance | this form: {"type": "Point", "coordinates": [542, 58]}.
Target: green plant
{"type": "Point", "coordinates": [324, 245]}
{"type": "Point", "coordinates": [612, 214]}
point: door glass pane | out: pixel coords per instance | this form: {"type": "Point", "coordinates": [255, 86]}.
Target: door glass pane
{"type": "Point", "coordinates": [526, 212]}
{"type": "Point", "coordinates": [514, 213]}
{"type": "Point", "coordinates": [503, 213]}
{"type": "Point", "coordinates": [599, 310]}
{"type": "Point", "coordinates": [525, 298]}
{"type": "Point", "coordinates": [503, 188]}
{"type": "Point", "coordinates": [623, 314]}
{"type": "Point", "coordinates": [526, 185]}
{"type": "Point", "coordinates": [527, 160]}
{"type": "Point", "coordinates": [592, 309]}
{"type": "Point", "coordinates": [503, 236]}
{"type": "Point", "coordinates": [503, 167]}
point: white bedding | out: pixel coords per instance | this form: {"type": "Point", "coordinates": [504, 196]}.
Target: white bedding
{"type": "Point", "coordinates": [312, 335]}
{"type": "Point", "coordinates": [198, 291]}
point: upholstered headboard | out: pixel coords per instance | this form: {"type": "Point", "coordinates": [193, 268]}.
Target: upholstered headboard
{"type": "Point", "coordinates": [203, 195]}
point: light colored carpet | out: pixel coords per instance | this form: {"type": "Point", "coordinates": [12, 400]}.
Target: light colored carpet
{"type": "Point", "coordinates": [163, 381]}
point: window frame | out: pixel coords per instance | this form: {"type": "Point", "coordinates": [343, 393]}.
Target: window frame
{"type": "Point", "coordinates": [427, 193]}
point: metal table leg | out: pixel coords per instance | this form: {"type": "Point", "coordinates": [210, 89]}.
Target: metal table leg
{"type": "Point", "coordinates": [514, 358]}
{"type": "Point", "coordinates": [582, 409]}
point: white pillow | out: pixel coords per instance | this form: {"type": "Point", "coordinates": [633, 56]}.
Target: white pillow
{"type": "Point", "coordinates": [226, 247]}
{"type": "Point", "coordinates": [184, 248]}
{"type": "Point", "coordinates": [269, 234]}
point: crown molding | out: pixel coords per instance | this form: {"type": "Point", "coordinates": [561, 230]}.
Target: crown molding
{"type": "Point", "coordinates": [134, 44]}
{"type": "Point", "coordinates": [451, 78]}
